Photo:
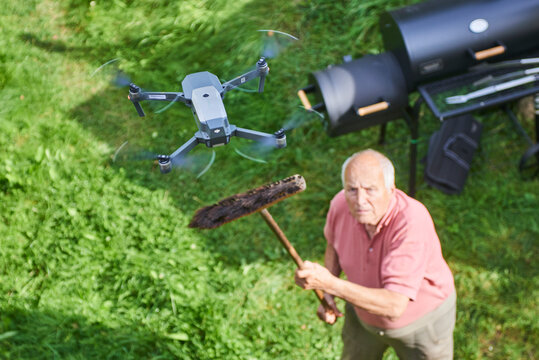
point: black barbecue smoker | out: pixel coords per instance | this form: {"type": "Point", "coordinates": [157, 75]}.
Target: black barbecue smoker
{"type": "Point", "coordinates": [434, 47]}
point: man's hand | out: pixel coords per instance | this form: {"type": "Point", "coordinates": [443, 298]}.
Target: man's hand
{"type": "Point", "coordinates": [313, 276]}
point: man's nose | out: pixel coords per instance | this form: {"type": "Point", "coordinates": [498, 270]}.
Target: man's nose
{"type": "Point", "coordinates": [360, 196]}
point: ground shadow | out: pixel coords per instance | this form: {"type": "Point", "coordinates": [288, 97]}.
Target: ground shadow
{"type": "Point", "coordinates": [51, 334]}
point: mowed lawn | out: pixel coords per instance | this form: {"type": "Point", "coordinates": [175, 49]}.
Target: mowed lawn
{"type": "Point", "coordinates": [96, 259]}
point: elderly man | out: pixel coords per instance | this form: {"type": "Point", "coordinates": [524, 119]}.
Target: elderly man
{"type": "Point", "coordinates": [399, 290]}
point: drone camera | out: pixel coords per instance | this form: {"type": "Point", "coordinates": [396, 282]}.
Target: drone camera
{"type": "Point", "coordinates": [165, 165]}
{"type": "Point", "coordinates": [216, 140]}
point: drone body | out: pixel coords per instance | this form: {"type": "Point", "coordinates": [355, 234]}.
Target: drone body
{"type": "Point", "coordinates": [208, 109]}
{"type": "Point", "coordinates": [204, 93]}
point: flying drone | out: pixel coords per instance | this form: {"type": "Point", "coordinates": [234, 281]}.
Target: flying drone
{"type": "Point", "coordinates": [204, 94]}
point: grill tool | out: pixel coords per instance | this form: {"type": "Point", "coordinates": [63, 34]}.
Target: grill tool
{"type": "Point", "coordinates": [493, 80]}
{"type": "Point", "coordinates": [461, 99]}
{"type": "Point", "coordinates": [256, 200]}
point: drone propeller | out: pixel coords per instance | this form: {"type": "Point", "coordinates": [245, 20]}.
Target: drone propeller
{"type": "Point", "coordinates": [121, 80]}
{"type": "Point", "coordinates": [104, 66]}
{"type": "Point", "coordinates": [197, 163]}
{"type": "Point", "coordinates": [111, 71]}
{"type": "Point", "coordinates": [259, 151]}
{"type": "Point", "coordinates": [275, 42]}
{"type": "Point", "coordinates": [270, 45]}
{"type": "Point", "coordinates": [302, 117]}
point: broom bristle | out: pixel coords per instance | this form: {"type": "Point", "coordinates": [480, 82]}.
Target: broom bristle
{"type": "Point", "coordinates": [239, 205]}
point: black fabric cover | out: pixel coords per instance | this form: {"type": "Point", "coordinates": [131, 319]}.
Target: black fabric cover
{"type": "Point", "coordinates": [451, 150]}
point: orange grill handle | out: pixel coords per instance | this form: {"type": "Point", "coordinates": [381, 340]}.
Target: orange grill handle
{"type": "Point", "coordinates": [485, 54]}
{"type": "Point", "coordinates": [366, 110]}
{"type": "Point", "coordinates": [303, 97]}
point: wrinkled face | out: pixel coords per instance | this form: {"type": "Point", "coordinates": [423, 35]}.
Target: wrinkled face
{"type": "Point", "coordinates": [366, 194]}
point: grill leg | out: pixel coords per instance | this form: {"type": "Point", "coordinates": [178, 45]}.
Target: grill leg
{"type": "Point", "coordinates": [536, 104]}
{"type": "Point", "coordinates": [412, 119]}
{"type": "Point", "coordinates": [529, 162]}
{"type": "Point", "coordinates": [518, 127]}
{"type": "Point", "coordinates": [411, 115]}
{"type": "Point", "coordinates": [414, 132]}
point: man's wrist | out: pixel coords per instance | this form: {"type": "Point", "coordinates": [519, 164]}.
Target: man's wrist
{"type": "Point", "coordinates": [332, 287]}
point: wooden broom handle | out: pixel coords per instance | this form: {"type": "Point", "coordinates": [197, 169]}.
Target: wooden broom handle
{"type": "Point", "coordinates": [293, 253]}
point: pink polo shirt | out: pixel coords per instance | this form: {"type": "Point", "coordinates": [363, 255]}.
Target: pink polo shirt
{"type": "Point", "coordinates": [403, 256]}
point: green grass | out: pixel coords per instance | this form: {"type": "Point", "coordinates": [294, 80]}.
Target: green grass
{"type": "Point", "coordinates": [96, 260]}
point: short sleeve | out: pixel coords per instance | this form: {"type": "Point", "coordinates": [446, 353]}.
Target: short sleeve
{"type": "Point", "coordinates": [330, 224]}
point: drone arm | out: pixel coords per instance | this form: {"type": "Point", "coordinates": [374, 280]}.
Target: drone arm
{"type": "Point", "coordinates": [240, 80]}
{"type": "Point", "coordinates": [136, 95]}
{"type": "Point", "coordinates": [278, 139]}
{"type": "Point", "coordinates": [163, 96]}
{"type": "Point", "coordinates": [185, 148]}
{"type": "Point", "coordinates": [253, 135]}
{"type": "Point", "coordinates": [261, 71]}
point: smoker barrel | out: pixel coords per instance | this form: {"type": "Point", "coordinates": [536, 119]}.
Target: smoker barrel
{"type": "Point", "coordinates": [423, 42]}
{"type": "Point", "coordinates": [438, 38]}
{"type": "Point", "coordinates": [361, 93]}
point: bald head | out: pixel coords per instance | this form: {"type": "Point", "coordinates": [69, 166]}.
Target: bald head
{"type": "Point", "coordinates": [376, 159]}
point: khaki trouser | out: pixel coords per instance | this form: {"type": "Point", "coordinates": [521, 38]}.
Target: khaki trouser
{"type": "Point", "coordinates": [429, 337]}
